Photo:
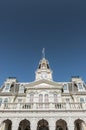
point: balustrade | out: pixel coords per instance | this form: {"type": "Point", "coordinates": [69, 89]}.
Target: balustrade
{"type": "Point", "coordinates": [44, 106]}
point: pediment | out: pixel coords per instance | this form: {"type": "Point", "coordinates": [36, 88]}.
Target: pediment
{"type": "Point", "coordinates": [42, 84]}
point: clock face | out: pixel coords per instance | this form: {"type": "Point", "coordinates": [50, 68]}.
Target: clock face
{"type": "Point", "coordinates": [44, 75]}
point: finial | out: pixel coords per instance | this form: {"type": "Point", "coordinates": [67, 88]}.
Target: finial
{"type": "Point", "coordinates": [43, 52]}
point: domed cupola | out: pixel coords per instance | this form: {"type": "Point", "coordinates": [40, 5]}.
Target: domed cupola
{"type": "Point", "coordinates": [44, 71]}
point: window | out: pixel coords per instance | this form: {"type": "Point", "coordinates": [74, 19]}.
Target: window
{"type": "Point", "coordinates": [81, 100]}
{"type": "Point", "coordinates": [55, 98]}
{"type": "Point", "coordinates": [80, 86]}
{"type": "Point", "coordinates": [5, 100]}
{"type": "Point", "coordinates": [7, 86]}
{"type": "Point", "coordinates": [46, 98]}
{"type": "Point", "coordinates": [40, 98]}
{"type": "Point", "coordinates": [31, 98]}
{"type": "Point", "coordinates": [19, 100]}
{"type": "Point", "coordinates": [21, 89]}
{"type": "Point", "coordinates": [0, 101]}
{"type": "Point", "coordinates": [40, 101]}
{"type": "Point", "coordinates": [65, 87]}
{"type": "Point", "coordinates": [67, 100]}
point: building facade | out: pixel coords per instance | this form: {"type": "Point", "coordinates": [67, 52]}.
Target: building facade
{"type": "Point", "coordinates": [43, 104]}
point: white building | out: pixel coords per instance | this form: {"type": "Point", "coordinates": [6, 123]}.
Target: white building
{"type": "Point", "coordinates": [43, 104]}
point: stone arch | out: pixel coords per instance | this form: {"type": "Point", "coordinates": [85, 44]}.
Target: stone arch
{"type": "Point", "coordinates": [79, 124]}
{"type": "Point", "coordinates": [24, 125]}
{"type": "Point", "coordinates": [6, 125]}
{"type": "Point", "coordinates": [61, 125]}
{"type": "Point", "coordinates": [42, 125]}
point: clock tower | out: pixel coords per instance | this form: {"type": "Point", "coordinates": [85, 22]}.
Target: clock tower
{"type": "Point", "coordinates": [43, 71]}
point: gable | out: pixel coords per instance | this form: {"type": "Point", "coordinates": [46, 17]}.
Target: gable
{"type": "Point", "coordinates": [44, 84]}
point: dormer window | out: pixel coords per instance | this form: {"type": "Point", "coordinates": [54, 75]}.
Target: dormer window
{"type": "Point", "coordinates": [65, 88]}
{"type": "Point", "coordinates": [80, 86]}
{"type": "Point", "coordinates": [6, 88]}
{"type": "Point", "coordinates": [21, 89]}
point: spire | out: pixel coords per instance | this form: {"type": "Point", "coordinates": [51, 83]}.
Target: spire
{"type": "Point", "coordinates": [43, 71]}
{"type": "Point", "coordinates": [43, 52]}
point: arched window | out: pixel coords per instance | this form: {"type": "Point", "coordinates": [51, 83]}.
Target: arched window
{"type": "Point", "coordinates": [46, 99]}
{"type": "Point", "coordinates": [31, 97]}
{"type": "Point", "coordinates": [55, 98]}
{"type": "Point", "coordinates": [40, 98]}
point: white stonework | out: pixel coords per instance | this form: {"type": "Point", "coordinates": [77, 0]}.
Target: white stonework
{"type": "Point", "coordinates": [43, 104]}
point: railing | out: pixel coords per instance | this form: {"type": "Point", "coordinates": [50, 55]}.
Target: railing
{"type": "Point", "coordinates": [43, 106]}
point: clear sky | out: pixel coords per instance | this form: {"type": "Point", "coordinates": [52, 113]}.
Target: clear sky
{"type": "Point", "coordinates": [27, 26]}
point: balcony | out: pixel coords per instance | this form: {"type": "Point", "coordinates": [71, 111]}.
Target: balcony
{"type": "Point", "coordinates": [43, 106]}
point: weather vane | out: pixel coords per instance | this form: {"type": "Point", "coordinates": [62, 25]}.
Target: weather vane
{"type": "Point", "coordinates": [43, 52]}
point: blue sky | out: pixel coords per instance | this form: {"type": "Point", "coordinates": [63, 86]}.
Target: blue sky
{"type": "Point", "coordinates": [28, 26]}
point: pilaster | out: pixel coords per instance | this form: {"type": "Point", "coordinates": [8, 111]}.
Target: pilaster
{"type": "Point", "coordinates": [70, 124]}
{"type": "Point", "coordinates": [33, 124]}
{"type": "Point", "coordinates": [15, 124]}
{"type": "Point", "coordinates": [52, 124]}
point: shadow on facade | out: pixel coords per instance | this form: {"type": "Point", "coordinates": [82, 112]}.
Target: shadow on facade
{"type": "Point", "coordinates": [24, 125]}
{"type": "Point", "coordinates": [61, 125]}
{"type": "Point", "coordinates": [6, 125]}
{"type": "Point", "coordinates": [79, 125]}
{"type": "Point", "coordinates": [42, 125]}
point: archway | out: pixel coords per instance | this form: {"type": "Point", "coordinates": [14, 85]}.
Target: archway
{"type": "Point", "coordinates": [6, 125]}
{"type": "Point", "coordinates": [42, 125]}
{"type": "Point", "coordinates": [79, 125]}
{"type": "Point", "coordinates": [61, 125]}
{"type": "Point", "coordinates": [24, 125]}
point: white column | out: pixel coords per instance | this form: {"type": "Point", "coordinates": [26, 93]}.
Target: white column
{"type": "Point", "coordinates": [52, 124]}
{"type": "Point", "coordinates": [33, 124]}
{"type": "Point", "coordinates": [15, 124]}
{"type": "Point", "coordinates": [70, 127]}
{"type": "Point", "coordinates": [2, 125]}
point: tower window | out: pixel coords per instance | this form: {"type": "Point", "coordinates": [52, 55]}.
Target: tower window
{"type": "Point", "coordinates": [47, 66]}
{"type": "Point", "coordinates": [39, 66]}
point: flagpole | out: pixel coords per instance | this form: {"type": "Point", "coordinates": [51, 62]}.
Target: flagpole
{"type": "Point", "coordinates": [43, 52]}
